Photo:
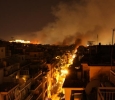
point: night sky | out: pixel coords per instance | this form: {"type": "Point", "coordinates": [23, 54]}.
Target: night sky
{"type": "Point", "coordinates": [57, 21]}
{"type": "Point", "coordinates": [26, 16]}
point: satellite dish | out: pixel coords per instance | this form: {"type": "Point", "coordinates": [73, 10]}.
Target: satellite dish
{"type": "Point", "coordinates": [92, 84]}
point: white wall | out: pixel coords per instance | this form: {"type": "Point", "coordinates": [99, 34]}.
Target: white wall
{"type": "Point", "coordinates": [95, 71]}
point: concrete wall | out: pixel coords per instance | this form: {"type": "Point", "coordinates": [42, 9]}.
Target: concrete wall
{"type": "Point", "coordinates": [95, 71]}
{"type": "Point", "coordinates": [1, 97]}
{"type": "Point", "coordinates": [85, 66]}
{"type": "Point", "coordinates": [68, 92]}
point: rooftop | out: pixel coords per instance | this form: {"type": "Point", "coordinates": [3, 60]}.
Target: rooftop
{"type": "Point", "coordinates": [100, 55]}
{"type": "Point", "coordinates": [70, 83]}
{"type": "Point", "coordinates": [73, 80]}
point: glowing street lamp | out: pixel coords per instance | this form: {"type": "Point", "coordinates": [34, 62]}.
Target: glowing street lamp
{"type": "Point", "coordinates": [64, 71]}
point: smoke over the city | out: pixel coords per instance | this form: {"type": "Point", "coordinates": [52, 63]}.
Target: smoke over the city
{"type": "Point", "coordinates": [87, 20]}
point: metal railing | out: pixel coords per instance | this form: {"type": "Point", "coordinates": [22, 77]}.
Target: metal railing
{"type": "Point", "coordinates": [99, 95]}
{"type": "Point", "coordinates": [106, 93]}
{"type": "Point", "coordinates": [10, 94]}
{"type": "Point", "coordinates": [112, 76]}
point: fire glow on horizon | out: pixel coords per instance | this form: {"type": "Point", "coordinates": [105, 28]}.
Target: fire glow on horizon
{"type": "Point", "coordinates": [23, 41]}
{"type": "Point", "coordinates": [84, 19]}
{"type": "Point", "coordinates": [20, 41]}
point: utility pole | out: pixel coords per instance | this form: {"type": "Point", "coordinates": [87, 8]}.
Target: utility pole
{"type": "Point", "coordinates": [97, 43]}
{"type": "Point", "coordinates": [112, 48]}
{"type": "Point", "coordinates": [97, 39]}
{"type": "Point", "coordinates": [113, 36]}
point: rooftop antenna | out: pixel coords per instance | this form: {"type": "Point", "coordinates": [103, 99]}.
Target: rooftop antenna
{"type": "Point", "coordinates": [97, 39]}
{"type": "Point", "coordinates": [97, 43]}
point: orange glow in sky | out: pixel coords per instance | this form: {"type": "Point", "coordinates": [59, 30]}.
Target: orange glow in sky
{"type": "Point", "coordinates": [35, 42]}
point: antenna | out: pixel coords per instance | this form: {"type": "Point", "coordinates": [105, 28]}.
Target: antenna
{"type": "Point", "coordinates": [97, 43]}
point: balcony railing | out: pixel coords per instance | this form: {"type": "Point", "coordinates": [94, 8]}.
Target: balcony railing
{"type": "Point", "coordinates": [11, 69]}
{"type": "Point", "coordinates": [25, 90]}
{"type": "Point", "coordinates": [99, 95]}
{"type": "Point", "coordinates": [9, 95]}
{"type": "Point", "coordinates": [36, 75]}
{"type": "Point", "coordinates": [29, 97]}
{"type": "Point", "coordinates": [106, 93]}
{"type": "Point", "coordinates": [36, 85]}
{"type": "Point", "coordinates": [38, 95]}
{"type": "Point", "coordinates": [112, 76]}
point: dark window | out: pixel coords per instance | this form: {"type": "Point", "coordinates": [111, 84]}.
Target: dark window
{"type": "Point", "coordinates": [1, 50]}
{"type": "Point", "coordinates": [35, 55]}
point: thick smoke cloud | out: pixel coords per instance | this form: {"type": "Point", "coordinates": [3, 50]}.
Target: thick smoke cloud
{"type": "Point", "coordinates": [87, 20]}
{"type": "Point", "coordinates": [91, 20]}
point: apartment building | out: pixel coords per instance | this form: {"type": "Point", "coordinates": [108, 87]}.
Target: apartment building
{"type": "Point", "coordinates": [93, 74]}
{"type": "Point", "coordinates": [27, 82]}
{"type": "Point", "coordinates": [28, 73]}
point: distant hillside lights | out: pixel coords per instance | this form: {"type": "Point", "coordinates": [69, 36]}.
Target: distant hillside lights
{"type": "Point", "coordinates": [20, 41]}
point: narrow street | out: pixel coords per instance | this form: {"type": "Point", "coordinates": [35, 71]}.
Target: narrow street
{"type": "Point", "coordinates": [55, 97]}
{"type": "Point", "coordinates": [61, 74]}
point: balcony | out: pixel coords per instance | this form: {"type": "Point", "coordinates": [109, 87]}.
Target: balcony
{"type": "Point", "coordinates": [29, 97]}
{"type": "Point", "coordinates": [35, 74]}
{"type": "Point", "coordinates": [37, 95]}
{"type": "Point", "coordinates": [106, 93]}
{"type": "Point", "coordinates": [11, 69]}
{"type": "Point", "coordinates": [7, 90]}
{"type": "Point", "coordinates": [77, 95]}
{"type": "Point", "coordinates": [36, 85]}
{"type": "Point", "coordinates": [7, 87]}
{"type": "Point", "coordinates": [25, 92]}
{"type": "Point", "coordinates": [112, 76]}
